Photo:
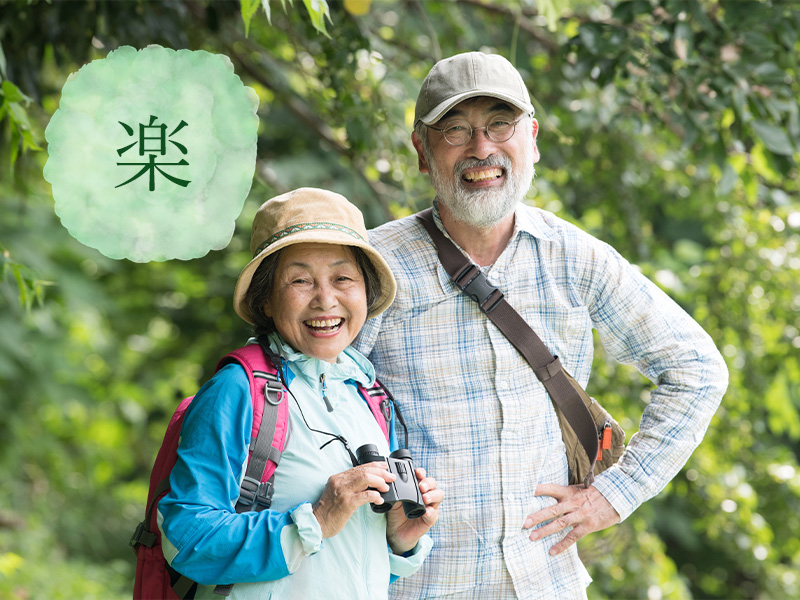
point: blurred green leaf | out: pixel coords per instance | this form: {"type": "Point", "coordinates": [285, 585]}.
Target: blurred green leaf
{"type": "Point", "coordinates": [774, 137]}
{"type": "Point", "coordinates": [11, 93]}
{"type": "Point", "coordinates": [249, 9]}
{"type": "Point", "coordinates": [319, 11]}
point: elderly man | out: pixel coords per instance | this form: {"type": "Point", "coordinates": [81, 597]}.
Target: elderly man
{"type": "Point", "coordinates": [477, 415]}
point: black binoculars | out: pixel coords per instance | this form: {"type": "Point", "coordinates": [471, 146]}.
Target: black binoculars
{"type": "Point", "coordinates": [405, 487]}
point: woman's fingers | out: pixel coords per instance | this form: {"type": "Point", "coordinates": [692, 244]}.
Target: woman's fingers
{"type": "Point", "coordinates": [348, 490]}
{"type": "Point", "coordinates": [431, 495]}
{"type": "Point", "coordinates": [376, 476]}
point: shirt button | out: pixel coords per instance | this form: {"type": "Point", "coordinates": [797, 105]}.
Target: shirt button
{"type": "Point", "coordinates": [510, 497]}
{"type": "Point", "coordinates": [503, 384]}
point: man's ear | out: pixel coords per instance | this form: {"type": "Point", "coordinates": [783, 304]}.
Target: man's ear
{"type": "Point", "coordinates": [423, 162]}
{"type": "Point", "coordinates": [535, 128]}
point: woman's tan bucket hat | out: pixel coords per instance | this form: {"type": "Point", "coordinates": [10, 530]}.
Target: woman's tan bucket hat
{"type": "Point", "coordinates": [310, 215]}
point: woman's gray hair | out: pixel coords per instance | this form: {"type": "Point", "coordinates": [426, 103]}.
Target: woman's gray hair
{"type": "Point", "coordinates": [263, 282]}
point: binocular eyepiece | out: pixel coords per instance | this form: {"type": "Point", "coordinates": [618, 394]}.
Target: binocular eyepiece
{"type": "Point", "coordinates": [405, 487]}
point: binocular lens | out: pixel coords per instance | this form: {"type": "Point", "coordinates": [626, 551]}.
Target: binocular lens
{"type": "Point", "coordinates": [402, 453]}
{"type": "Point", "coordinates": [415, 512]}
{"type": "Point", "coordinates": [368, 453]}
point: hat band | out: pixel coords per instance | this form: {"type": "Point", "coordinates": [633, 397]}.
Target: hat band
{"type": "Point", "coordinates": [300, 227]}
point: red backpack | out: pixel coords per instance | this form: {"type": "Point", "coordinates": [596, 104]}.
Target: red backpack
{"type": "Point", "coordinates": [155, 578]}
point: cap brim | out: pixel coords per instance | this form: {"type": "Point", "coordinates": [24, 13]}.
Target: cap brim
{"type": "Point", "coordinates": [434, 115]}
{"type": "Point", "coordinates": [388, 284]}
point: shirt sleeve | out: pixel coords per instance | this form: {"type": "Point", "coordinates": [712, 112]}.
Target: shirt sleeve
{"type": "Point", "coordinates": [302, 540]}
{"type": "Point", "coordinates": [203, 537]}
{"type": "Point", "coordinates": [410, 562]}
{"type": "Point", "coordinates": [638, 324]}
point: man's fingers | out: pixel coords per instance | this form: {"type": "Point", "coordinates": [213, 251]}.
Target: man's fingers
{"type": "Point", "coordinates": [566, 498]}
{"type": "Point", "coordinates": [550, 528]}
{"type": "Point", "coordinates": [571, 538]}
{"type": "Point", "coordinates": [546, 514]}
{"type": "Point", "coordinates": [551, 489]}
{"type": "Point", "coordinates": [579, 511]}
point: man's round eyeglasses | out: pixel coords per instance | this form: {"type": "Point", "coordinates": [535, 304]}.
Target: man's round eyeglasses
{"type": "Point", "coordinates": [458, 132]}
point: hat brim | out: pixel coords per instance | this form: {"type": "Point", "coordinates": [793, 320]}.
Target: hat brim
{"type": "Point", "coordinates": [439, 110]}
{"type": "Point", "coordinates": [388, 285]}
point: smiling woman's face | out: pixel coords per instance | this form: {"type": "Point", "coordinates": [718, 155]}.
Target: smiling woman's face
{"type": "Point", "coordinates": [319, 301]}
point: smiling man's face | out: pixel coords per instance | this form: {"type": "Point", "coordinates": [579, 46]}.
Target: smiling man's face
{"type": "Point", "coordinates": [482, 181]}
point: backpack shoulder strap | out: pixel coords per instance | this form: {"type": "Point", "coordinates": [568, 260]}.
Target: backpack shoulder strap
{"type": "Point", "coordinates": [270, 423]}
{"type": "Point", "coordinates": [268, 434]}
{"type": "Point", "coordinates": [378, 401]}
{"type": "Point", "coordinates": [383, 407]}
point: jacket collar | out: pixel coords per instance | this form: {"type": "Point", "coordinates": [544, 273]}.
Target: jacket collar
{"type": "Point", "coordinates": [349, 365]}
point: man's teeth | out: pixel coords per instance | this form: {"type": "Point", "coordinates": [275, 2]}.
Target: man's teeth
{"type": "Point", "coordinates": [483, 175]}
{"type": "Point", "coordinates": [326, 323]}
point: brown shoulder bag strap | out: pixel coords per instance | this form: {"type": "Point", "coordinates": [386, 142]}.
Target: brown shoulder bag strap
{"type": "Point", "coordinates": [548, 369]}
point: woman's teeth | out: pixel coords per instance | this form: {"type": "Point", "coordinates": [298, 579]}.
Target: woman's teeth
{"type": "Point", "coordinates": [324, 323]}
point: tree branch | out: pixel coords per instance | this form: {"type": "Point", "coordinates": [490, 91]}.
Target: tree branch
{"type": "Point", "coordinates": [307, 116]}
{"type": "Point", "coordinates": [534, 31]}
{"type": "Point", "coordinates": [437, 50]}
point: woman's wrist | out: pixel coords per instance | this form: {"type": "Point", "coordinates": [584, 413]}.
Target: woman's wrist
{"type": "Point", "coordinates": [400, 548]}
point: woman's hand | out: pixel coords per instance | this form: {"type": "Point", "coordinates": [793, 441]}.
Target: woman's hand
{"type": "Point", "coordinates": [403, 533]}
{"type": "Point", "coordinates": [348, 490]}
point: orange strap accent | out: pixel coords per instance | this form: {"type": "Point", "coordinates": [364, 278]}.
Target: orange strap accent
{"type": "Point", "coordinates": [605, 442]}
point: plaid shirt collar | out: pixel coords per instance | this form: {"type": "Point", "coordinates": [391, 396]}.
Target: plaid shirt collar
{"type": "Point", "coordinates": [525, 222]}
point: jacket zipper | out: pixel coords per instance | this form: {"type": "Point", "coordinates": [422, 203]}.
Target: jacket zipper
{"type": "Point", "coordinates": [324, 394]}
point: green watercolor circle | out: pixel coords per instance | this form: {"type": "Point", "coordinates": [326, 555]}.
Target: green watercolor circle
{"type": "Point", "coordinates": [88, 148]}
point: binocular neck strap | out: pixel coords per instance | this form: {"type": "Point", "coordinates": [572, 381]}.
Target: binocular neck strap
{"type": "Point", "coordinates": [334, 437]}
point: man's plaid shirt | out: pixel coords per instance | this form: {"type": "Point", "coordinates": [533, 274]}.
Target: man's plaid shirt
{"type": "Point", "coordinates": [481, 423]}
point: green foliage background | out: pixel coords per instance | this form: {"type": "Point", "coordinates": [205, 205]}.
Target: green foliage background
{"type": "Point", "coordinates": [669, 129]}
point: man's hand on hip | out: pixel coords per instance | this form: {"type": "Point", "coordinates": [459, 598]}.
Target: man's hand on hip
{"type": "Point", "coordinates": [583, 509]}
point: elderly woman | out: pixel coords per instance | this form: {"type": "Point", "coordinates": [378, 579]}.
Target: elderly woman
{"type": "Point", "coordinates": [311, 286]}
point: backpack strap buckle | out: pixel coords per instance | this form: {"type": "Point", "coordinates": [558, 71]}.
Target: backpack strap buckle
{"type": "Point", "coordinates": [143, 536]}
{"type": "Point", "coordinates": [385, 410]}
{"type": "Point", "coordinates": [273, 390]}
{"type": "Point", "coordinates": [255, 495]}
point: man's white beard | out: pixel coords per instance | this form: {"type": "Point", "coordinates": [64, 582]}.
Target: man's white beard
{"type": "Point", "coordinates": [486, 207]}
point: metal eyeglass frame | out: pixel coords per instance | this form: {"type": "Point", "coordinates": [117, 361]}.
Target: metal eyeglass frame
{"type": "Point", "coordinates": [472, 130]}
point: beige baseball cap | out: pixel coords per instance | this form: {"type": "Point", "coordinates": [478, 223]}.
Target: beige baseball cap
{"type": "Point", "coordinates": [310, 215]}
{"type": "Point", "coordinates": [469, 75]}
